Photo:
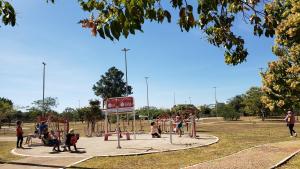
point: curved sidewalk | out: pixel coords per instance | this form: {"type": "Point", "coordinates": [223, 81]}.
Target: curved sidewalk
{"type": "Point", "coordinates": [258, 157]}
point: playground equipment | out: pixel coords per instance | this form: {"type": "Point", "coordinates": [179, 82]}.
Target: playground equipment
{"type": "Point", "coordinates": [60, 126]}
{"type": "Point", "coordinates": [167, 121]}
{"type": "Point", "coordinates": [119, 106]}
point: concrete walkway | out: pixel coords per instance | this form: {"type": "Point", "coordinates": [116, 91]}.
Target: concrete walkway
{"type": "Point", "coordinates": [40, 163]}
{"type": "Point", "coordinates": [259, 157]}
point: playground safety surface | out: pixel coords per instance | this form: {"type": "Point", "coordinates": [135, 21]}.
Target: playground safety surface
{"type": "Point", "coordinates": [96, 146]}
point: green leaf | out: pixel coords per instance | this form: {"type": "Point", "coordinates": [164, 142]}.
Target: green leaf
{"type": "Point", "coordinates": [107, 32]}
{"type": "Point", "coordinates": [100, 31]}
{"type": "Point", "coordinates": [167, 15]}
{"type": "Point", "coordinates": [114, 28]}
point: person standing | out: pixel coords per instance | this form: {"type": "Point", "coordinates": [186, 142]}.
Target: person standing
{"type": "Point", "coordinates": [19, 132]}
{"type": "Point", "coordinates": [179, 125]}
{"type": "Point", "coordinates": [290, 121]}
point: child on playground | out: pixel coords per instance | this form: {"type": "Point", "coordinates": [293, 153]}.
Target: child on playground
{"type": "Point", "coordinates": [178, 125]}
{"type": "Point", "coordinates": [154, 130]}
{"type": "Point", "coordinates": [19, 133]}
{"type": "Point", "coordinates": [290, 121]}
{"type": "Point", "coordinates": [71, 140]}
{"type": "Point", "coordinates": [54, 141]}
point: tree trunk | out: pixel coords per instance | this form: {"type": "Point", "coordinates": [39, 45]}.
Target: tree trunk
{"type": "Point", "coordinates": [93, 126]}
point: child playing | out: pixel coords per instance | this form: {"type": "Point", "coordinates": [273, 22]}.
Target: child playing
{"type": "Point", "coordinates": [178, 125]}
{"type": "Point", "coordinates": [154, 131]}
{"type": "Point", "coordinates": [54, 141]}
{"type": "Point", "coordinates": [19, 132]}
{"type": "Point", "coordinates": [71, 140]}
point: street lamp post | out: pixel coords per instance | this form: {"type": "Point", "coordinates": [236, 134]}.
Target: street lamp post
{"type": "Point", "coordinates": [262, 111]}
{"type": "Point", "coordinates": [146, 78]}
{"type": "Point", "coordinates": [126, 85]}
{"type": "Point", "coordinates": [216, 104]}
{"type": "Point", "coordinates": [125, 50]}
{"type": "Point", "coordinates": [44, 67]}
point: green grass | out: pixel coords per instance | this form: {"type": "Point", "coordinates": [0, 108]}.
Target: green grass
{"type": "Point", "coordinates": [233, 138]}
{"type": "Point", "coordinates": [5, 148]}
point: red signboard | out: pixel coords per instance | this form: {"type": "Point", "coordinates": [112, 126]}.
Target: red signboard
{"type": "Point", "coordinates": [119, 102]}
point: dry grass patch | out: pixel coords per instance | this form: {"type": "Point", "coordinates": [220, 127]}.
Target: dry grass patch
{"type": "Point", "coordinates": [5, 148]}
{"type": "Point", "coordinates": [293, 163]}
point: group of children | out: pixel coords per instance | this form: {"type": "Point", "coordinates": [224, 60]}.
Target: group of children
{"type": "Point", "coordinates": [48, 138]}
{"type": "Point", "coordinates": [156, 130]}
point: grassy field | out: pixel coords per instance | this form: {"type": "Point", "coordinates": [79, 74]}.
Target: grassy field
{"type": "Point", "coordinates": [234, 136]}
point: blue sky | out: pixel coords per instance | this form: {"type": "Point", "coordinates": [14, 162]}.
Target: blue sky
{"type": "Point", "coordinates": [175, 61]}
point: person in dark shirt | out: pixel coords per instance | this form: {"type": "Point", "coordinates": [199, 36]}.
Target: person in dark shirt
{"type": "Point", "coordinates": [19, 133]}
{"type": "Point", "coordinates": [71, 140]}
{"type": "Point", "coordinates": [290, 121]}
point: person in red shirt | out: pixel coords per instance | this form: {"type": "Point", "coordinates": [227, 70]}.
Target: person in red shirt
{"type": "Point", "coordinates": [19, 131]}
{"type": "Point", "coordinates": [290, 121]}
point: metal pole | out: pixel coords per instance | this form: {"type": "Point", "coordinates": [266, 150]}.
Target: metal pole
{"type": "Point", "coordinates": [171, 129]}
{"type": "Point", "coordinates": [190, 100]}
{"type": "Point", "coordinates": [126, 85]}
{"type": "Point", "coordinates": [146, 78]}
{"type": "Point", "coordinates": [262, 111]}
{"type": "Point", "coordinates": [134, 125]}
{"type": "Point", "coordinates": [125, 51]}
{"type": "Point", "coordinates": [174, 99]}
{"type": "Point", "coordinates": [216, 103]}
{"type": "Point", "coordinates": [118, 130]}
{"type": "Point", "coordinates": [43, 112]}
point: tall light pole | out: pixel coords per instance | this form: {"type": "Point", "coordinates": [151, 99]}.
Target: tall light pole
{"type": "Point", "coordinates": [44, 67]}
{"type": "Point", "coordinates": [146, 78]}
{"type": "Point", "coordinates": [126, 85]}
{"type": "Point", "coordinates": [125, 50]}
{"type": "Point", "coordinates": [216, 104]}
{"type": "Point", "coordinates": [174, 99]}
{"type": "Point", "coordinates": [262, 110]}
{"type": "Point", "coordinates": [190, 98]}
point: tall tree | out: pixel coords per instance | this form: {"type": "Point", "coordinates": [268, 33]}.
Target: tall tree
{"type": "Point", "coordinates": [80, 114]}
{"type": "Point", "coordinates": [93, 114]}
{"type": "Point", "coordinates": [205, 110]}
{"type": "Point", "coordinates": [252, 102]}
{"type": "Point", "coordinates": [111, 84]}
{"type": "Point", "coordinates": [237, 103]}
{"type": "Point", "coordinates": [281, 81]}
{"type": "Point", "coordinates": [49, 104]}
{"type": "Point", "coordinates": [6, 109]}
{"type": "Point", "coordinates": [69, 113]}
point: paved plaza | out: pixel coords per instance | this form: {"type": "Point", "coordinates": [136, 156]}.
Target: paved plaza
{"type": "Point", "coordinates": [96, 146]}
